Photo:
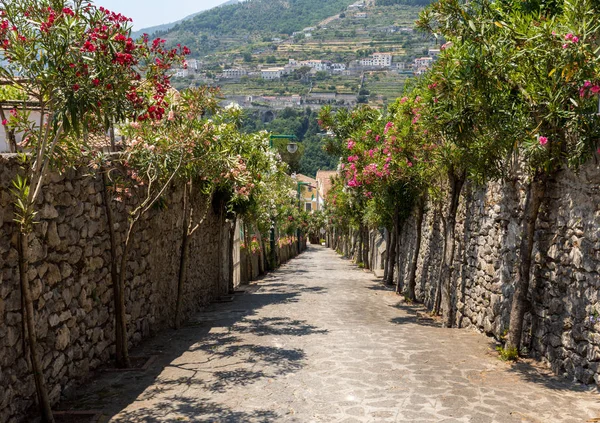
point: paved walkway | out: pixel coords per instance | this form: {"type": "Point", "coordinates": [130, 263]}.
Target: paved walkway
{"type": "Point", "coordinates": [322, 341]}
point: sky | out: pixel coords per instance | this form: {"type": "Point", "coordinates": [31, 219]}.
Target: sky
{"type": "Point", "coordinates": [147, 13]}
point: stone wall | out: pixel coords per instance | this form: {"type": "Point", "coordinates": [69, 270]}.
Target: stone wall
{"type": "Point", "coordinates": [565, 274]}
{"type": "Point", "coordinates": [70, 274]}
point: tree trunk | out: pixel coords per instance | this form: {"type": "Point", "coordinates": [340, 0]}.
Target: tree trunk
{"type": "Point", "coordinates": [220, 255]}
{"type": "Point", "coordinates": [183, 259]}
{"type": "Point", "coordinates": [120, 314]}
{"type": "Point", "coordinates": [230, 282]}
{"type": "Point", "coordinates": [412, 271]}
{"type": "Point", "coordinates": [456, 184]}
{"type": "Point", "coordinates": [387, 253]}
{"type": "Point", "coordinates": [393, 245]}
{"type": "Point", "coordinates": [535, 194]}
{"type": "Point", "coordinates": [114, 276]}
{"type": "Point", "coordinates": [365, 251]}
{"type": "Point", "coordinates": [28, 316]}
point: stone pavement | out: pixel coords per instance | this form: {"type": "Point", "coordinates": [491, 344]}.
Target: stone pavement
{"type": "Point", "coordinates": [323, 341]}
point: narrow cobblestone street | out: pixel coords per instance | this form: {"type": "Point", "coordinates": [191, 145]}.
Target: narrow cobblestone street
{"type": "Point", "coordinates": [323, 341]}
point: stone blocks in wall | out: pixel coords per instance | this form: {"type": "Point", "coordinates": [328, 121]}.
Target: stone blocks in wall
{"type": "Point", "coordinates": [71, 284]}
{"type": "Point", "coordinates": [563, 324]}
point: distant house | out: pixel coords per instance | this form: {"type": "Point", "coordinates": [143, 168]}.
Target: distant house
{"type": "Point", "coordinates": [421, 70]}
{"type": "Point", "coordinates": [309, 29]}
{"type": "Point", "coordinates": [194, 64]}
{"type": "Point", "coordinates": [433, 53]}
{"type": "Point", "coordinates": [324, 183]}
{"type": "Point", "coordinates": [383, 60]}
{"type": "Point", "coordinates": [378, 60]}
{"type": "Point", "coordinates": [308, 191]}
{"type": "Point", "coordinates": [234, 73]}
{"type": "Point", "coordinates": [181, 73]}
{"type": "Point", "coordinates": [423, 62]}
{"type": "Point", "coordinates": [400, 65]}
{"type": "Point", "coordinates": [271, 73]}
{"type": "Point", "coordinates": [356, 6]}
{"type": "Point", "coordinates": [338, 67]}
{"type": "Point", "coordinates": [360, 15]}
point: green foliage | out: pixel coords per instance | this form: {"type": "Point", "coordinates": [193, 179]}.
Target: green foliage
{"type": "Point", "coordinates": [252, 16]}
{"type": "Point", "coordinates": [310, 156]}
{"type": "Point", "coordinates": [508, 354]}
{"type": "Point", "coordinates": [402, 2]}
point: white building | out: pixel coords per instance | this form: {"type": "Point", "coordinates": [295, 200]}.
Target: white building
{"type": "Point", "coordinates": [338, 67]}
{"type": "Point", "coordinates": [379, 60]}
{"type": "Point", "coordinates": [360, 15]}
{"type": "Point", "coordinates": [234, 73]}
{"type": "Point", "coordinates": [400, 65]}
{"type": "Point", "coordinates": [271, 73]}
{"type": "Point", "coordinates": [421, 70]}
{"type": "Point", "coordinates": [356, 6]}
{"type": "Point", "coordinates": [383, 60]}
{"type": "Point", "coordinates": [181, 73]}
{"type": "Point", "coordinates": [434, 53]}
{"type": "Point", "coordinates": [423, 62]}
{"type": "Point", "coordinates": [193, 64]}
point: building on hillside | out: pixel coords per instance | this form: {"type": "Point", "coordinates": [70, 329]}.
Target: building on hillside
{"type": "Point", "coordinates": [400, 65]}
{"type": "Point", "coordinates": [356, 6]}
{"type": "Point", "coordinates": [234, 73]}
{"type": "Point", "coordinates": [433, 53]}
{"type": "Point", "coordinates": [360, 15]}
{"type": "Point", "coordinates": [194, 65]}
{"type": "Point", "coordinates": [309, 29]}
{"type": "Point", "coordinates": [308, 193]}
{"type": "Point", "coordinates": [338, 67]}
{"type": "Point", "coordinates": [383, 60]}
{"type": "Point", "coordinates": [423, 62]}
{"type": "Point", "coordinates": [271, 73]}
{"type": "Point", "coordinates": [367, 62]}
{"type": "Point", "coordinates": [181, 73]}
{"type": "Point", "coordinates": [421, 70]}
{"type": "Point", "coordinates": [324, 183]}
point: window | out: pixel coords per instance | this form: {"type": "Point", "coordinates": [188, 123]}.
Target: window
{"type": "Point", "coordinates": [308, 206]}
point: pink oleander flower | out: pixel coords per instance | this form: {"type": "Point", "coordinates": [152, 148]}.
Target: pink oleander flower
{"type": "Point", "coordinates": [575, 39]}
{"type": "Point", "coordinates": [543, 140]}
{"type": "Point", "coordinates": [595, 89]}
{"type": "Point", "coordinates": [568, 36]}
{"type": "Point", "coordinates": [351, 144]}
{"type": "Point", "coordinates": [403, 99]}
{"type": "Point", "coordinates": [565, 46]}
{"type": "Point", "coordinates": [387, 127]}
{"type": "Point", "coordinates": [377, 138]}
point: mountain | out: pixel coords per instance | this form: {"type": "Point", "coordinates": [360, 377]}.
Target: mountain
{"type": "Point", "coordinates": [205, 32]}
{"type": "Point", "coordinates": [165, 27]}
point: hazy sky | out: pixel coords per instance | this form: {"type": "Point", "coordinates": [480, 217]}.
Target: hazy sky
{"type": "Point", "coordinates": [147, 13]}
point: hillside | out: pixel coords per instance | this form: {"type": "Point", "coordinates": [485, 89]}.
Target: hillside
{"type": "Point", "coordinates": [253, 19]}
{"type": "Point", "coordinates": [165, 27]}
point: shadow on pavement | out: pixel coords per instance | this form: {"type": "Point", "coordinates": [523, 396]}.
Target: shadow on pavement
{"type": "Point", "coordinates": [416, 314]}
{"type": "Point", "coordinates": [535, 373]}
{"type": "Point", "coordinates": [213, 353]}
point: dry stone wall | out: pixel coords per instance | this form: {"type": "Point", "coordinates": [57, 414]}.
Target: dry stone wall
{"type": "Point", "coordinates": [70, 274]}
{"type": "Point", "coordinates": [563, 297]}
